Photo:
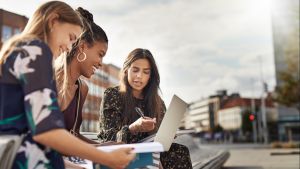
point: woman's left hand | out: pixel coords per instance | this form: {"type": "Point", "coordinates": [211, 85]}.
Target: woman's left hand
{"type": "Point", "coordinates": [145, 124]}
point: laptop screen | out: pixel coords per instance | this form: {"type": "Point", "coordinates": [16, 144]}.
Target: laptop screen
{"type": "Point", "coordinates": [171, 121]}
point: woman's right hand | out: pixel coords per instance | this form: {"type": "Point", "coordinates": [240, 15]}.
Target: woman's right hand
{"type": "Point", "coordinates": [146, 124]}
{"type": "Point", "coordinates": [120, 158]}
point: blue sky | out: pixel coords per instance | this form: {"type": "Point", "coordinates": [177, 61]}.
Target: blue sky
{"type": "Point", "coordinates": [199, 46]}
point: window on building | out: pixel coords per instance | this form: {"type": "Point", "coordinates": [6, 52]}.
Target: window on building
{"type": "Point", "coordinates": [17, 31]}
{"type": "Point", "coordinates": [7, 32]}
{"type": "Point", "coordinates": [84, 126]}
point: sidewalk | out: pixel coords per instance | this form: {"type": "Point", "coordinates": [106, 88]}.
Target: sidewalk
{"type": "Point", "coordinates": [262, 159]}
{"type": "Point", "coordinates": [203, 158]}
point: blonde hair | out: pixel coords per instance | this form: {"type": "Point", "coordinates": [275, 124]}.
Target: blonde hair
{"type": "Point", "coordinates": [62, 78]}
{"type": "Point", "coordinates": [38, 25]}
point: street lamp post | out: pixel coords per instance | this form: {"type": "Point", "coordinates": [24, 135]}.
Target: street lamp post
{"type": "Point", "coordinates": [254, 128]}
{"type": "Point", "coordinates": [264, 119]}
{"type": "Point", "coordinates": [263, 105]}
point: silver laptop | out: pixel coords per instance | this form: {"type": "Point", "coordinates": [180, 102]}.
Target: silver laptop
{"type": "Point", "coordinates": [170, 123]}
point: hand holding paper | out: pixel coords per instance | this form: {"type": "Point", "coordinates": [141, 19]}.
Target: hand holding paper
{"type": "Point", "coordinates": [125, 155]}
{"type": "Point", "coordinates": [144, 153]}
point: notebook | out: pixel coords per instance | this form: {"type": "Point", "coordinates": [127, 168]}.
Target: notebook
{"type": "Point", "coordinates": [143, 157]}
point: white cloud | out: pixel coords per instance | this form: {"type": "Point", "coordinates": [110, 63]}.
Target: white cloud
{"type": "Point", "coordinates": [200, 46]}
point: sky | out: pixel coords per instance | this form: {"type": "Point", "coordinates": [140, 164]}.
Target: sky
{"type": "Point", "coordinates": [200, 46]}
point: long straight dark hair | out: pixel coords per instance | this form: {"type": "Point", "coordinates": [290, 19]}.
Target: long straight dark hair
{"type": "Point", "coordinates": [153, 102]}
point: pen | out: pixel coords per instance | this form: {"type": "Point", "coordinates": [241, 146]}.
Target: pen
{"type": "Point", "coordinates": [140, 112]}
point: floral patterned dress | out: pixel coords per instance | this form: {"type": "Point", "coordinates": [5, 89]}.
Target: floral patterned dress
{"type": "Point", "coordinates": [111, 129]}
{"type": "Point", "coordinates": [28, 104]}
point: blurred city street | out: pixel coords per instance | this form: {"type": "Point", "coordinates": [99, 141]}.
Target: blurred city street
{"type": "Point", "coordinates": [262, 159]}
{"type": "Point", "coordinates": [257, 156]}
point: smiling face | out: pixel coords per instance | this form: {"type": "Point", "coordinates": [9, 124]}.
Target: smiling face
{"type": "Point", "coordinates": [61, 37]}
{"type": "Point", "coordinates": [139, 75]}
{"type": "Point", "coordinates": [94, 57]}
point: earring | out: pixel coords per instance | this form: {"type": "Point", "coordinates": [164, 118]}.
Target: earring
{"type": "Point", "coordinates": [81, 60]}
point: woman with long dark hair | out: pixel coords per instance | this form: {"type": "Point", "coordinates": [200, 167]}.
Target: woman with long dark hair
{"type": "Point", "coordinates": [139, 87]}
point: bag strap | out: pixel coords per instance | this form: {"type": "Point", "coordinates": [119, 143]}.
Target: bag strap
{"type": "Point", "coordinates": [73, 130]}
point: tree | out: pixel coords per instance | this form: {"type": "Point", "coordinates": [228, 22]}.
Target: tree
{"type": "Point", "coordinates": [288, 93]}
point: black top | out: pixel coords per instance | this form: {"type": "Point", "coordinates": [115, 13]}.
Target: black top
{"type": "Point", "coordinates": [111, 118]}
{"type": "Point", "coordinates": [70, 113]}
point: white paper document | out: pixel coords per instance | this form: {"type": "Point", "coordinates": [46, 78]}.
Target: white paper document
{"type": "Point", "coordinates": [138, 147]}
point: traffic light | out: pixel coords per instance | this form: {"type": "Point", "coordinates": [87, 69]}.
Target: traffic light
{"type": "Point", "coordinates": [251, 117]}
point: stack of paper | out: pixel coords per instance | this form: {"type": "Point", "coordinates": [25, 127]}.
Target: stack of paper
{"type": "Point", "coordinates": [138, 147]}
{"type": "Point", "coordinates": [143, 154]}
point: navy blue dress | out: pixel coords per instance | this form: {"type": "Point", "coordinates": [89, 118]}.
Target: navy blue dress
{"type": "Point", "coordinates": [28, 103]}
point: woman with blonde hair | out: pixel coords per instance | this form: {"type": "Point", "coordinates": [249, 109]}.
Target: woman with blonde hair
{"type": "Point", "coordinates": [28, 97]}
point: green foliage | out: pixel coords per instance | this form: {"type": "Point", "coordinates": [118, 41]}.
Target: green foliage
{"type": "Point", "coordinates": [288, 93]}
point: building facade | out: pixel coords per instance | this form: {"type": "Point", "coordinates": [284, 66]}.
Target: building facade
{"type": "Point", "coordinates": [234, 118]}
{"type": "Point", "coordinates": [10, 25]}
{"type": "Point", "coordinates": [226, 117]}
{"type": "Point", "coordinates": [103, 78]}
{"type": "Point", "coordinates": [201, 115]}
